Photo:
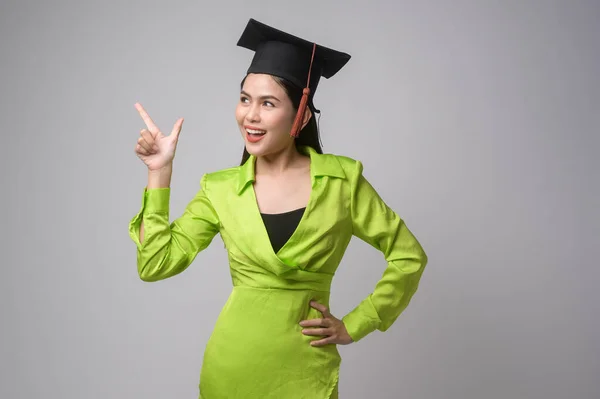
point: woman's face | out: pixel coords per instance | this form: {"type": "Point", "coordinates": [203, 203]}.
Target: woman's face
{"type": "Point", "coordinates": [265, 115]}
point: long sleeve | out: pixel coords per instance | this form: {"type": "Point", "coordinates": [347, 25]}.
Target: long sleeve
{"type": "Point", "coordinates": [378, 225]}
{"type": "Point", "coordinates": [169, 248]}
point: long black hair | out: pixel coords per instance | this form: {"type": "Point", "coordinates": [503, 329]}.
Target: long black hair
{"type": "Point", "coordinates": [309, 135]}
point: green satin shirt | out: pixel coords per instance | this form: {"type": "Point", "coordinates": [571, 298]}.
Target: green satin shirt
{"type": "Point", "coordinates": [342, 204]}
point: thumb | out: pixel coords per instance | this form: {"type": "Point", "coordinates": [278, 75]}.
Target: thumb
{"type": "Point", "coordinates": [177, 129]}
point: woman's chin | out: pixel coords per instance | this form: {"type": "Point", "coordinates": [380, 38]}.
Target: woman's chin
{"type": "Point", "coordinates": [253, 148]}
{"type": "Point", "coordinates": [263, 147]}
{"type": "Point", "coordinates": [256, 149]}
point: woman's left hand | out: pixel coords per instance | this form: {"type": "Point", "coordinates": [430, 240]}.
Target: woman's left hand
{"type": "Point", "coordinates": [329, 326]}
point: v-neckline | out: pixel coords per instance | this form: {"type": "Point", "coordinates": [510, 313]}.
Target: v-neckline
{"type": "Point", "coordinates": [265, 234]}
{"type": "Point", "coordinates": [282, 213]}
{"type": "Point", "coordinates": [297, 231]}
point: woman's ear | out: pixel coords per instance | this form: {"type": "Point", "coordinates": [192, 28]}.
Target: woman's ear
{"type": "Point", "coordinates": [306, 118]}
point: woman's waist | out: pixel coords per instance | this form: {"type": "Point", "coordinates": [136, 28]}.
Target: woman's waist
{"type": "Point", "coordinates": [273, 306]}
{"type": "Point", "coordinates": [293, 279]}
{"type": "Point", "coordinates": [289, 296]}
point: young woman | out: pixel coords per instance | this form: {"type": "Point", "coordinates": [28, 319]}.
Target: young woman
{"type": "Point", "coordinates": [286, 216]}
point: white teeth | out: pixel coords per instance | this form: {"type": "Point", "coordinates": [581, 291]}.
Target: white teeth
{"type": "Point", "coordinates": [252, 131]}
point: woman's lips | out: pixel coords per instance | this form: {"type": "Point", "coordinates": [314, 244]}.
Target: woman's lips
{"type": "Point", "coordinates": [254, 135]}
{"type": "Point", "coordinates": [254, 138]}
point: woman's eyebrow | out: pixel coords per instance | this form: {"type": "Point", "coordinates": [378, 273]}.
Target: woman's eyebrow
{"type": "Point", "coordinates": [266, 97]}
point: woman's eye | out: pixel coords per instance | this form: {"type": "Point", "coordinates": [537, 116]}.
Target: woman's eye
{"type": "Point", "coordinates": [244, 99]}
{"type": "Point", "coordinates": [269, 104]}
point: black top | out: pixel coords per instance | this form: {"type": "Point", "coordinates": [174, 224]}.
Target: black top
{"type": "Point", "coordinates": [281, 226]}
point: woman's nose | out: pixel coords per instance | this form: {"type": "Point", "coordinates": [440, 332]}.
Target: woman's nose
{"type": "Point", "coordinates": [253, 114]}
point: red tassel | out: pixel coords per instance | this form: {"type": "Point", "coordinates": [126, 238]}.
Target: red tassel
{"type": "Point", "coordinates": [304, 101]}
{"type": "Point", "coordinates": [300, 115]}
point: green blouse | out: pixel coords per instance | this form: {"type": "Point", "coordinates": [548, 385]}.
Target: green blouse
{"type": "Point", "coordinates": [271, 291]}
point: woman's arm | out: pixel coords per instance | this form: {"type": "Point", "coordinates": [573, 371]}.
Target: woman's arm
{"type": "Point", "coordinates": [165, 249]}
{"type": "Point", "coordinates": [378, 225]}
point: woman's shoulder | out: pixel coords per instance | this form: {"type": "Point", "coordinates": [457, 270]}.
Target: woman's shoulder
{"type": "Point", "coordinates": [350, 165]}
{"type": "Point", "coordinates": [222, 175]}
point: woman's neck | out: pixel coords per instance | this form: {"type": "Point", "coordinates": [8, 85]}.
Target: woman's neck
{"type": "Point", "coordinates": [280, 162]}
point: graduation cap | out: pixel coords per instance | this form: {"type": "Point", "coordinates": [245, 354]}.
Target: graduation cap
{"type": "Point", "coordinates": [289, 57]}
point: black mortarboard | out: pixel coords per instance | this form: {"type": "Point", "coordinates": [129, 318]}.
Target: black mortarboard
{"type": "Point", "coordinates": [289, 57]}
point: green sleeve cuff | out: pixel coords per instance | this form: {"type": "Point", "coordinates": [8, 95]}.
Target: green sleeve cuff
{"type": "Point", "coordinates": [362, 320]}
{"type": "Point", "coordinates": [156, 200]}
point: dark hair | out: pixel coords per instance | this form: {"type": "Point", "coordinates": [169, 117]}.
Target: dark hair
{"type": "Point", "coordinates": [309, 135]}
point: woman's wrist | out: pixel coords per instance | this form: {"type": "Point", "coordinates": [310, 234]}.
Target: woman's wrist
{"type": "Point", "coordinates": [160, 178]}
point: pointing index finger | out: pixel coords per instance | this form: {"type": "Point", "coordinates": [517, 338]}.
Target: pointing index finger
{"type": "Point", "coordinates": [147, 120]}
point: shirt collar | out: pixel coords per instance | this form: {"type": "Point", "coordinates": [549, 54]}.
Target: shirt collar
{"type": "Point", "coordinates": [320, 165]}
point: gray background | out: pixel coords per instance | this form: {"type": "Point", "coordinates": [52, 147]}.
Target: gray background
{"type": "Point", "coordinates": [477, 121]}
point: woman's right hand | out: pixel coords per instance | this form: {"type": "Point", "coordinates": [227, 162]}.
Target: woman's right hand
{"type": "Point", "coordinates": [154, 148]}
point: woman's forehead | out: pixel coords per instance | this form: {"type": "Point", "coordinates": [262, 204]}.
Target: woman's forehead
{"type": "Point", "coordinates": [263, 83]}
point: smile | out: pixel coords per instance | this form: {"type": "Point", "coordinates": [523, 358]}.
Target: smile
{"type": "Point", "coordinates": [254, 135]}
{"type": "Point", "coordinates": [255, 131]}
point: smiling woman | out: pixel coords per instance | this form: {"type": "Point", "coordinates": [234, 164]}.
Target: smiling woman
{"type": "Point", "coordinates": [286, 215]}
{"type": "Point", "coordinates": [309, 134]}
{"type": "Point", "coordinates": [265, 115]}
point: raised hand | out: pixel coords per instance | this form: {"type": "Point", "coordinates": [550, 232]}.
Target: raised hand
{"type": "Point", "coordinates": [328, 326]}
{"type": "Point", "coordinates": [154, 148]}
